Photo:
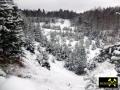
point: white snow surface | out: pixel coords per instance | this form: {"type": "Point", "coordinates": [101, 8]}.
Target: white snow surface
{"type": "Point", "coordinates": [105, 69]}
{"type": "Point", "coordinates": [115, 58]}
{"type": "Point", "coordinates": [116, 52]}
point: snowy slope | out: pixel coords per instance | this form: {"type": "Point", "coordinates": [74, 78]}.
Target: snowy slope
{"type": "Point", "coordinates": [105, 69]}
{"type": "Point", "coordinates": [35, 77]}
{"type": "Point", "coordinates": [38, 78]}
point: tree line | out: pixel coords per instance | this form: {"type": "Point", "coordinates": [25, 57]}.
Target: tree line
{"type": "Point", "coordinates": [65, 14]}
{"type": "Point", "coordinates": [96, 19]}
{"type": "Point", "coordinates": [100, 19]}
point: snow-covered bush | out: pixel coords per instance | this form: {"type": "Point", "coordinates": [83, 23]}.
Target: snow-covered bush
{"type": "Point", "coordinates": [2, 73]}
{"type": "Point", "coordinates": [91, 65]}
{"type": "Point", "coordinates": [91, 83]}
{"type": "Point", "coordinates": [42, 59]}
{"type": "Point", "coordinates": [29, 46]}
{"type": "Point", "coordinates": [45, 56]}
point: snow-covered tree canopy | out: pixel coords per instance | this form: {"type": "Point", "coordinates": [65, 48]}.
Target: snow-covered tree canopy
{"type": "Point", "coordinates": [11, 32]}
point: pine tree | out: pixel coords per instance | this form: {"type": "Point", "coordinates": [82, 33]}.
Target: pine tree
{"type": "Point", "coordinates": [77, 59]}
{"type": "Point", "coordinates": [80, 58]}
{"type": "Point", "coordinates": [11, 33]}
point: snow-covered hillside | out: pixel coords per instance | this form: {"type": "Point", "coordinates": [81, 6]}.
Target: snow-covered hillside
{"type": "Point", "coordinates": [39, 78]}
{"type": "Point", "coordinates": [35, 77]}
{"type": "Point", "coordinates": [44, 52]}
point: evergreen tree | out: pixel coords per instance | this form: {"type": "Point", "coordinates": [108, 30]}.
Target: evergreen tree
{"type": "Point", "coordinates": [11, 32]}
{"type": "Point", "coordinates": [80, 58]}
{"type": "Point", "coordinates": [77, 59]}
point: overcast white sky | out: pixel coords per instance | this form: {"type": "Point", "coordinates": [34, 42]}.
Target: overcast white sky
{"type": "Point", "coordinates": [76, 5]}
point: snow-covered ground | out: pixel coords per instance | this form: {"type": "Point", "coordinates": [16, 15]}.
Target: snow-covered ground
{"type": "Point", "coordinates": [105, 69]}
{"type": "Point", "coordinates": [58, 78]}
{"type": "Point", "coordinates": [39, 78]}
{"type": "Point", "coordinates": [62, 23]}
